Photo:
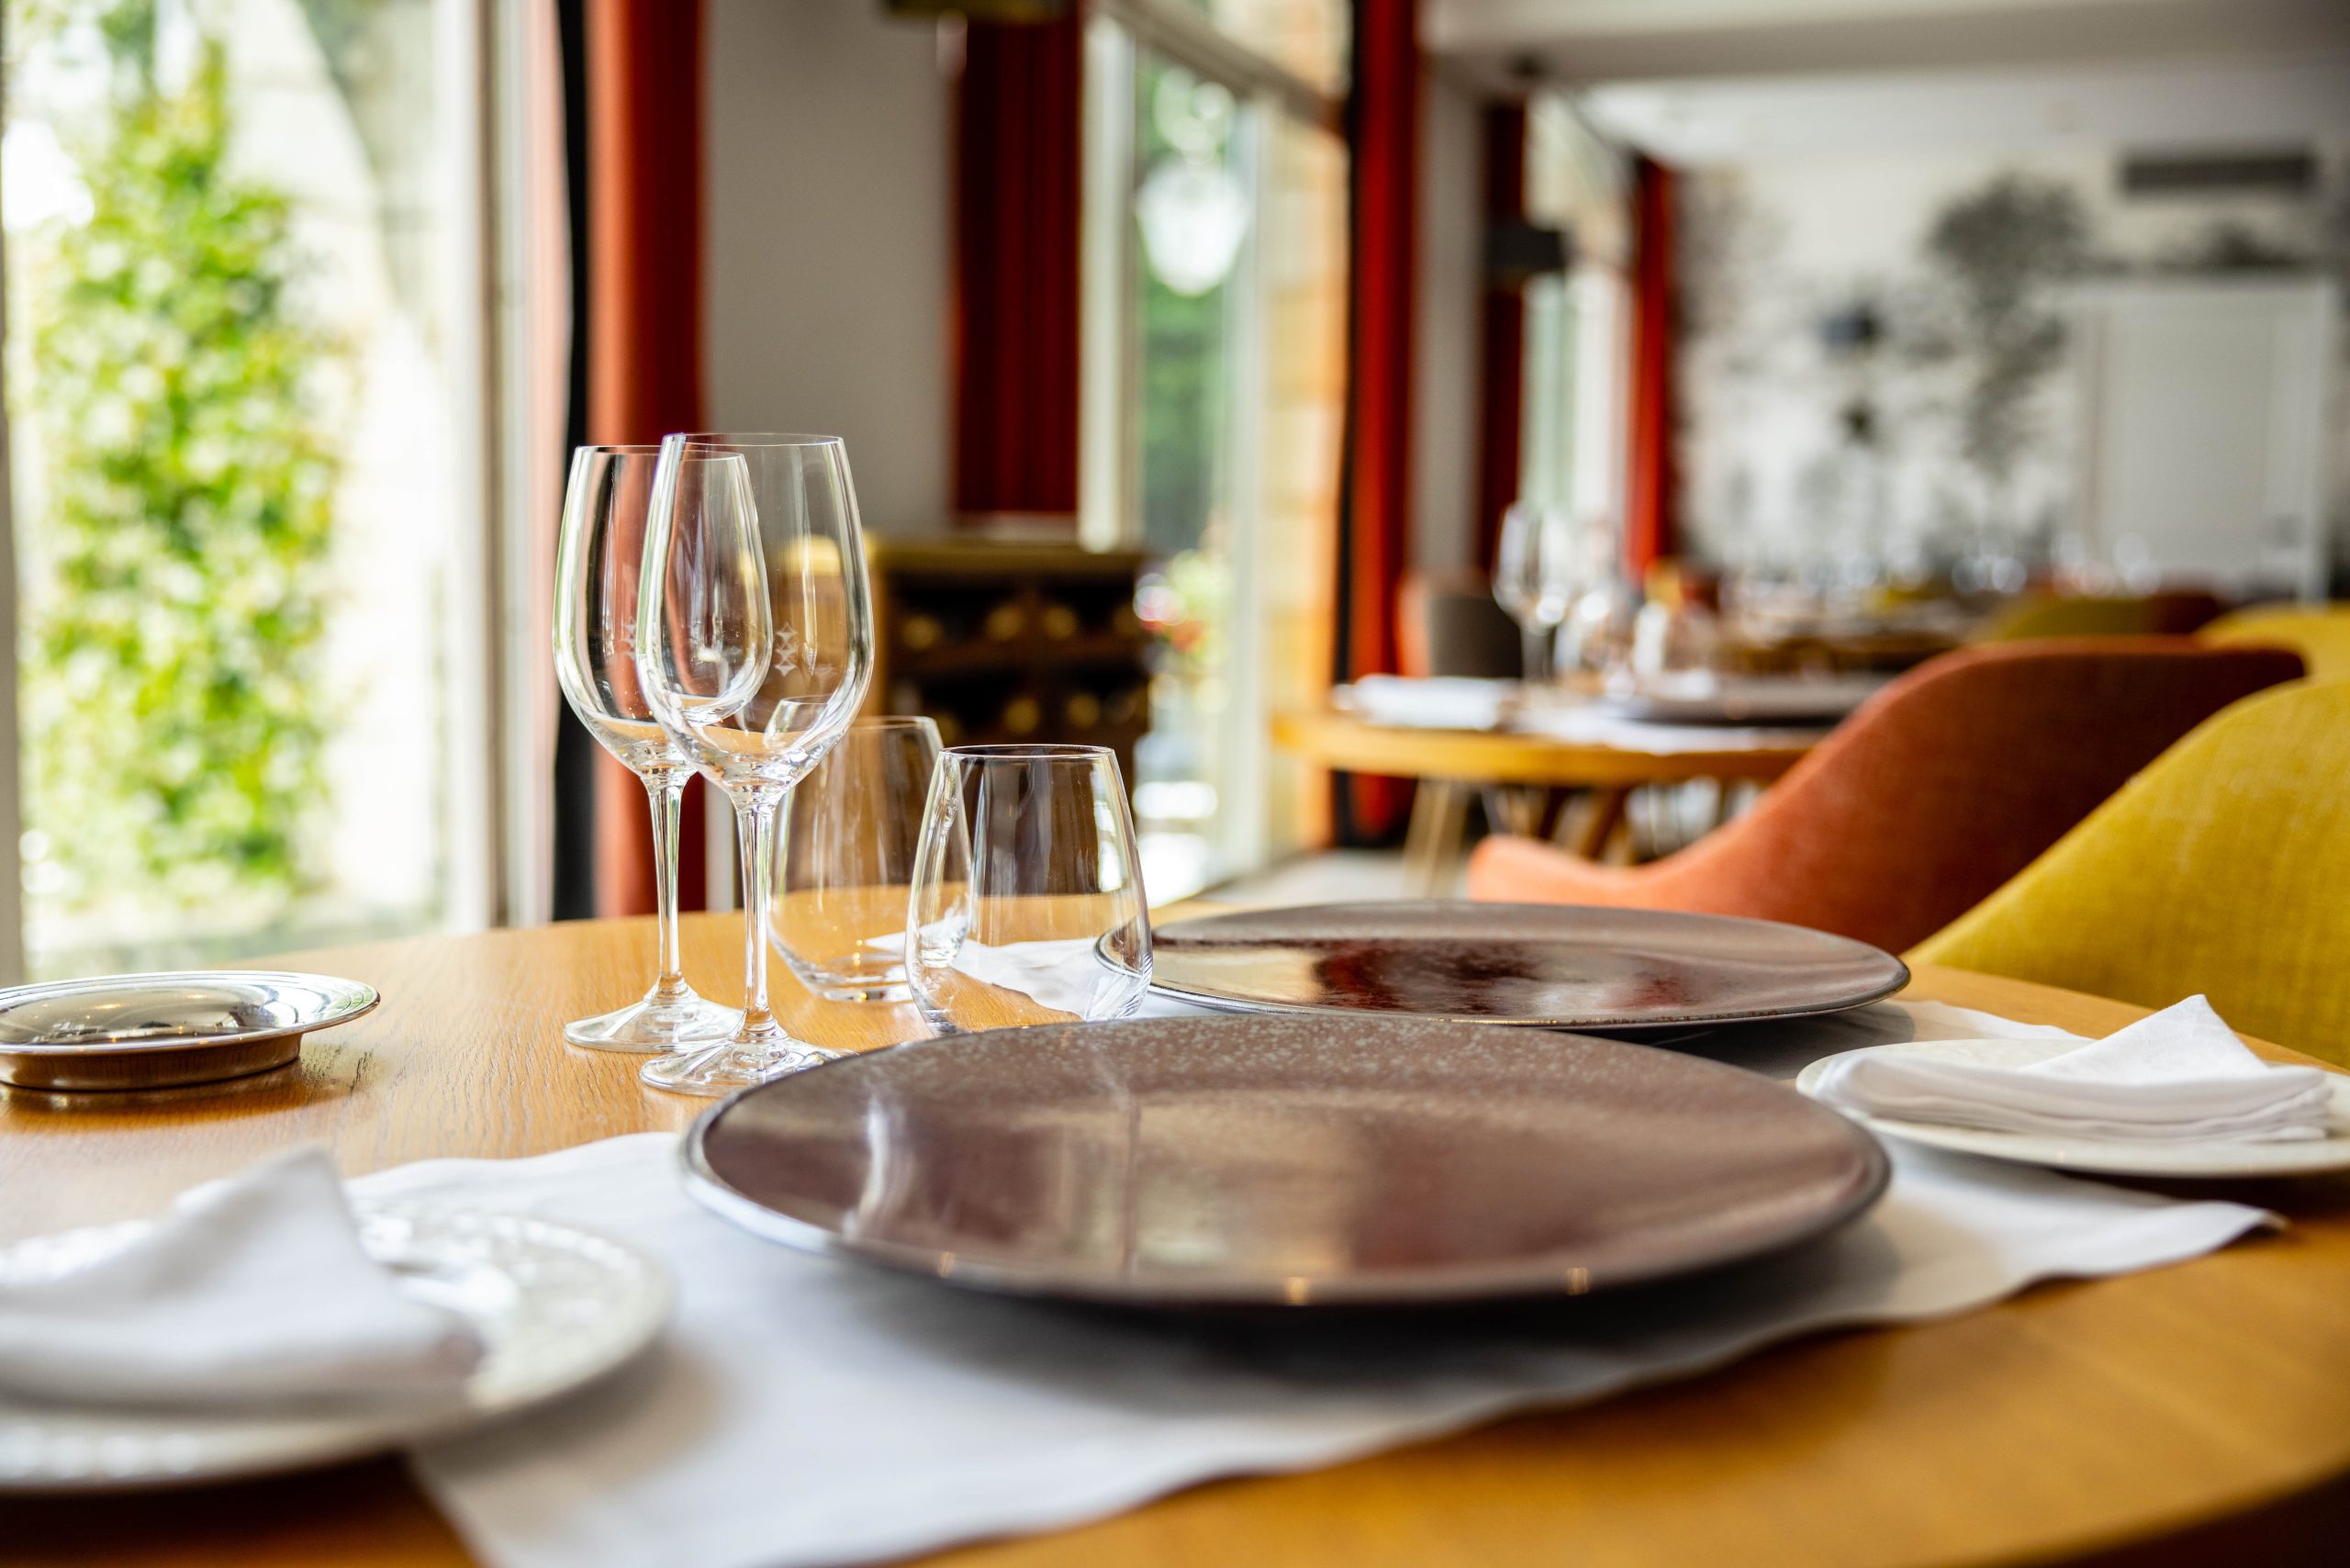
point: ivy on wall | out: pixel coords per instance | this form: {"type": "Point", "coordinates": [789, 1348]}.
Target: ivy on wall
{"type": "Point", "coordinates": [173, 716]}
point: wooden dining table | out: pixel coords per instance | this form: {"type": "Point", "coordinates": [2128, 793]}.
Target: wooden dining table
{"type": "Point", "coordinates": [1450, 766]}
{"type": "Point", "coordinates": [2195, 1414]}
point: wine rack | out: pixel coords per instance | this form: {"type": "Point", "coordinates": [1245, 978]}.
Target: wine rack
{"type": "Point", "coordinates": [1001, 641]}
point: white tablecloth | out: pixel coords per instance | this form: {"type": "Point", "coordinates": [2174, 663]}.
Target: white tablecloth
{"type": "Point", "coordinates": [811, 1412]}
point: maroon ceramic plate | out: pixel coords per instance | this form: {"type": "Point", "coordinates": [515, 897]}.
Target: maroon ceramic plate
{"type": "Point", "coordinates": [1283, 1161]}
{"type": "Point", "coordinates": [1541, 966]}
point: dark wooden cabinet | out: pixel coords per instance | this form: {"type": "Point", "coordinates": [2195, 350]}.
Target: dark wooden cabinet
{"type": "Point", "coordinates": [1009, 642]}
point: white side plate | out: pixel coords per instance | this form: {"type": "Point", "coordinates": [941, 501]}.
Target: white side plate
{"type": "Point", "coordinates": [558, 1307]}
{"type": "Point", "coordinates": [2111, 1157]}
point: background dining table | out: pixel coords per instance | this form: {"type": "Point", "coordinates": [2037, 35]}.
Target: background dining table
{"type": "Point", "coordinates": [2193, 1414]}
{"type": "Point", "coordinates": [1452, 765]}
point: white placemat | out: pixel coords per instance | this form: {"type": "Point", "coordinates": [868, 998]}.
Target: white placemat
{"type": "Point", "coordinates": [808, 1412]}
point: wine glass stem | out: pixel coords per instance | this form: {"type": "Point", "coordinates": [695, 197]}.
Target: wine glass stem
{"type": "Point", "coordinates": [754, 814]}
{"type": "Point", "coordinates": [665, 791]}
{"type": "Point", "coordinates": [1536, 650]}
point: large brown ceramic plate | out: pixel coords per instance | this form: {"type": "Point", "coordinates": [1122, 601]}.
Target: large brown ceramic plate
{"type": "Point", "coordinates": [1283, 1161]}
{"type": "Point", "coordinates": [1541, 966]}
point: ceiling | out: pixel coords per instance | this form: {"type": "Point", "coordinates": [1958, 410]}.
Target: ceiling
{"type": "Point", "coordinates": [1704, 80]}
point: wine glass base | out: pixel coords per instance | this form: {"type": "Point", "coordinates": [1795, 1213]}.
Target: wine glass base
{"type": "Point", "coordinates": [657, 1025]}
{"type": "Point", "coordinates": [722, 1070]}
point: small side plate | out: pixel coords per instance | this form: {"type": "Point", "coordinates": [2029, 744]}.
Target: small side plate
{"type": "Point", "coordinates": [557, 1308]}
{"type": "Point", "coordinates": [2106, 1157]}
{"type": "Point", "coordinates": [162, 1030]}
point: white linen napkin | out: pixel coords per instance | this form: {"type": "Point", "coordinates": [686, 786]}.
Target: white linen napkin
{"type": "Point", "coordinates": [808, 1412]}
{"type": "Point", "coordinates": [1432, 702]}
{"type": "Point", "coordinates": [249, 1291]}
{"type": "Point", "coordinates": [2176, 1076]}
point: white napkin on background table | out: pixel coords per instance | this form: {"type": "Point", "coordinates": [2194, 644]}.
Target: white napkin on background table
{"type": "Point", "coordinates": [249, 1291]}
{"type": "Point", "coordinates": [1432, 702]}
{"type": "Point", "coordinates": [811, 1412]}
{"type": "Point", "coordinates": [2176, 1076]}
{"type": "Point", "coordinates": [1593, 724]}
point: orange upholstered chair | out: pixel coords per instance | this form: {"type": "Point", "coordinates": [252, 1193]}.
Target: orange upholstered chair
{"type": "Point", "coordinates": [1947, 783]}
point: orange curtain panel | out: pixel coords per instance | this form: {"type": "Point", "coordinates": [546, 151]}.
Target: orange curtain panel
{"type": "Point", "coordinates": [1017, 176]}
{"type": "Point", "coordinates": [1501, 382]}
{"type": "Point", "coordinates": [644, 325]}
{"type": "Point", "coordinates": [1383, 128]}
{"type": "Point", "coordinates": [1649, 473]}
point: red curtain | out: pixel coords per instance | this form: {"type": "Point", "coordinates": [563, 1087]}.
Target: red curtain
{"type": "Point", "coordinates": [644, 325]}
{"type": "Point", "coordinates": [1649, 475]}
{"type": "Point", "coordinates": [1501, 382]}
{"type": "Point", "coordinates": [1382, 118]}
{"type": "Point", "coordinates": [1017, 178]}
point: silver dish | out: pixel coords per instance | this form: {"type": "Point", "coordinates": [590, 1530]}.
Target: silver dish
{"type": "Point", "coordinates": [1534, 966]}
{"type": "Point", "coordinates": [162, 1030]}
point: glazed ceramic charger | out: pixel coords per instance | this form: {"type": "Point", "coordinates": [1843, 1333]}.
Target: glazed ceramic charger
{"type": "Point", "coordinates": [1283, 1162]}
{"type": "Point", "coordinates": [1541, 966]}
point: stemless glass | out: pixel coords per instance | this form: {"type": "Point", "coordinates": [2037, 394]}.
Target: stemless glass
{"type": "Point", "coordinates": [845, 861]}
{"type": "Point", "coordinates": [755, 647]}
{"type": "Point", "coordinates": [598, 563]}
{"type": "Point", "coordinates": [1027, 904]}
{"type": "Point", "coordinates": [1534, 578]}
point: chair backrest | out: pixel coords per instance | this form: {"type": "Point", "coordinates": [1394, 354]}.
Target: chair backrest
{"type": "Point", "coordinates": [1951, 780]}
{"type": "Point", "coordinates": [2223, 869]}
{"type": "Point", "coordinates": [2170, 613]}
{"type": "Point", "coordinates": [1448, 624]}
{"type": "Point", "coordinates": [2321, 635]}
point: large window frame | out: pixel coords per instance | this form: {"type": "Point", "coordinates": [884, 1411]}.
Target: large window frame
{"type": "Point", "coordinates": [1120, 33]}
{"type": "Point", "coordinates": [499, 712]}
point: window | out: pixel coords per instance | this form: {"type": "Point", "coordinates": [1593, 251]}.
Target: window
{"type": "Point", "coordinates": [1577, 324]}
{"type": "Point", "coordinates": [1214, 363]}
{"type": "Point", "coordinates": [244, 395]}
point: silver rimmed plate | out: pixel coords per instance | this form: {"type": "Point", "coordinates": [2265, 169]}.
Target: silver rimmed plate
{"type": "Point", "coordinates": [556, 1308]}
{"type": "Point", "coordinates": [160, 1030]}
{"type": "Point", "coordinates": [1541, 966]}
{"type": "Point", "coordinates": [1281, 1162]}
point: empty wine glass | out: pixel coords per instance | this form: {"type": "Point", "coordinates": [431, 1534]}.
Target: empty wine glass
{"type": "Point", "coordinates": [1534, 578]}
{"type": "Point", "coordinates": [1027, 904]}
{"type": "Point", "coordinates": [754, 646]}
{"type": "Point", "coordinates": [845, 860]}
{"type": "Point", "coordinates": [598, 563]}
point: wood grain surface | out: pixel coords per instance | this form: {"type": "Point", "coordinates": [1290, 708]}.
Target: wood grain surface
{"type": "Point", "coordinates": [2074, 1419]}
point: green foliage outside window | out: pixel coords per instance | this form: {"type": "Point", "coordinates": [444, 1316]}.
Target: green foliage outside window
{"type": "Point", "coordinates": [176, 546]}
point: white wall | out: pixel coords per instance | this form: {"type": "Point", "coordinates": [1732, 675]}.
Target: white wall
{"type": "Point", "coordinates": [829, 253]}
{"type": "Point", "coordinates": [1446, 330]}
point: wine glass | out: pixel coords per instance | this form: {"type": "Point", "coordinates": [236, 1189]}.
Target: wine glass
{"type": "Point", "coordinates": [1534, 578]}
{"type": "Point", "coordinates": [1027, 904]}
{"type": "Point", "coordinates": [755, 647]}
{"type": "Point", "coordinates": [845, 860]}
{"type": "Point", "coordinates": [597, 564]}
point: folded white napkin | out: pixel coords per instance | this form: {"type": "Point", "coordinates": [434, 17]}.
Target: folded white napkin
{"type": "Point", "coordinates": [251, 1290]}
{"type": "Point", "coordinates": [1440, 703]}
{"type": "Point", "coordinates": [2176, 1076]}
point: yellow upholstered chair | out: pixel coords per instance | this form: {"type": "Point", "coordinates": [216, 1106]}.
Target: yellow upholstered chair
{"type": "Point", "coordinates": [2320, 634]}
{"type": "Point", "coordinates": [2224, 867]}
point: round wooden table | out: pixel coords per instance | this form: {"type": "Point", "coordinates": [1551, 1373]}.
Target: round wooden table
{"type": "Point", "coordinates": [1449, 764]}
{"type": "Point", "coordinates": [2094, 1419]}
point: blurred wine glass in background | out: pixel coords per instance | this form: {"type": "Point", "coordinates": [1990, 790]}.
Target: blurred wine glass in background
{"type": "Point", "coordinates": [1534, 578]}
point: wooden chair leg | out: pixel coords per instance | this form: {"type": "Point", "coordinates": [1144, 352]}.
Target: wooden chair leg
{"type": "Point", "coordinates": [1602, 816]}
{"type": "Point", "coordinates": [1432, 838]}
